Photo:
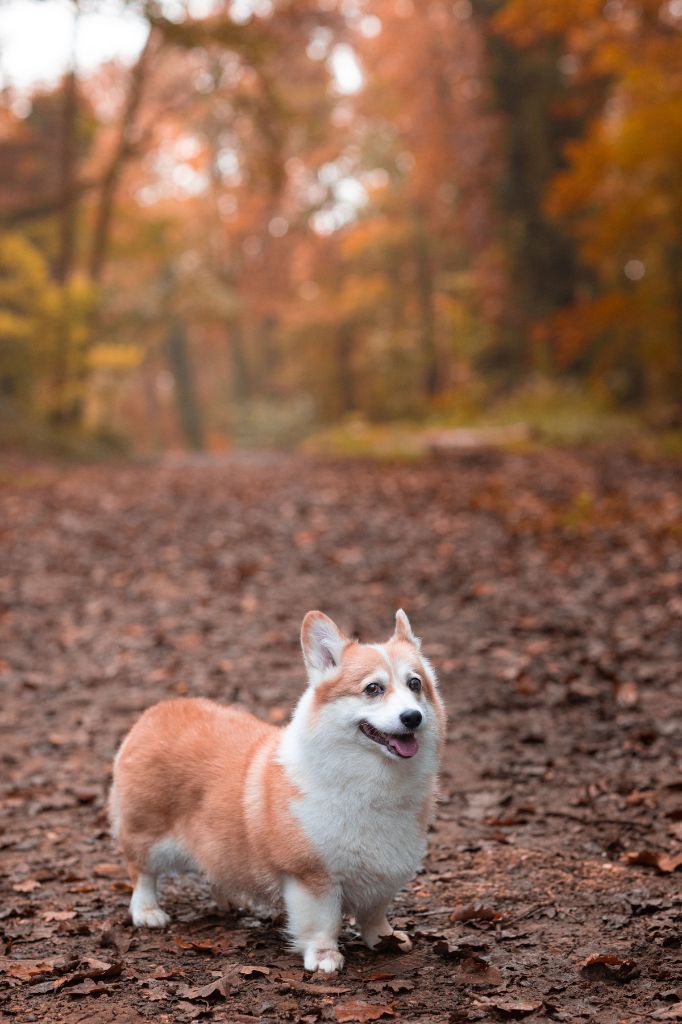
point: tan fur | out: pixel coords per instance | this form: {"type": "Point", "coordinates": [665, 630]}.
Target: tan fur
{"type": "Point", "coordinates": [206, 775]}
{"type": "Point", "coordinates": [360, 661]}
{"type": "Point", "coordinates": [202, 786]}
{"type": "Point", "coordinates": [357, 663]}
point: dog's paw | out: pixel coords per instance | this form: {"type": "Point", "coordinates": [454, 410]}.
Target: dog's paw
{"type": "Point", "coordinates": [149, 917]}
{"type": "Point", "coordinates": [325, 960]}
{"type": "Point", "coordinates": [388, 942]}
{"type": "Point", "coordinates": [404, 941]}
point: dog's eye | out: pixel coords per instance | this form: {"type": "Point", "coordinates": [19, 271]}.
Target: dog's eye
{"type": "Point", "coordinates": [414, 684]}
{"type": "Point", "coordinates": [374, 689]}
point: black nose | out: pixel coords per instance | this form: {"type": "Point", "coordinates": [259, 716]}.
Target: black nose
{"type": "Point", "coordinates": [411, 719]}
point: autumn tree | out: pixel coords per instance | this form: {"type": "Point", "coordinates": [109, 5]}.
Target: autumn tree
{"type": "Point", "coordinates": [619, 196]}
{"type": "Point", "coordinates": [425, 122]}
{"type": "Point", "coordinates": [234, 156]}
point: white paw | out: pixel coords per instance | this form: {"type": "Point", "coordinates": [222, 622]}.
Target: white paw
{"type": "Point", "coordinates": [394, 938]}
{"type": "Point", "coordinates": [149, 917]}
{"type": "Point", "coordinates": [325, 960]}
{"type": "Point", "coordinates": [404, 941]}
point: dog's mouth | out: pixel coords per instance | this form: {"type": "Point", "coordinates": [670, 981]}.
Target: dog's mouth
{"type": "Point", "coordinates": [404, 744]}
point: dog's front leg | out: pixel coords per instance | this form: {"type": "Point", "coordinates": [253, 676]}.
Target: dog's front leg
{"type": "Point", "coordinates": [374, 927]}
{"type": "Point", "coordinates": [314, 923]}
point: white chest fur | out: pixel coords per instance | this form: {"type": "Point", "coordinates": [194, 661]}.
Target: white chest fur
{"type": "Point", "coordinates": [362, 811]}
{"type": "Point", "coordinates": [370, 849]}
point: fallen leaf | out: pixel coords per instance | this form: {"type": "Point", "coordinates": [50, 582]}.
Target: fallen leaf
{"type": "Point", "coordinates": [155, 995]}
{"type": "Point", "coordinates": [516, 1008]}
{"type": "Point", "coordinates": [608, 967]}
{"type": "Point", "coordinates": [388, 944]}
{"type": "Point", "coordinates": [380, 976]}
{"type": "Point", "coordinates": [59, 739]}
{"type": "Point", "coordinates": [253, 970]}
{"type": "Point", "coordinates": [120, 885]}
{"type": "Point", "coordinates": [668, 1012]}
{"type": "Point", "coordinates": [220, 988]}
{"type": "Point", "coordinates": [108, 870]}
{"type": "Point", "coordinates": [475, 970]}
{"type": "Point", "coordinates": [163, 972]}
{"type": "Point", "coordinates": [191, 1012]}
{"type": "Point", "coordinates": [28, 885]}
{"type": "Point", "coordinates": [458, 950]}
{"type": "Point", "coordinates": [200, 945]}
{"type": "Point", "coordinates": [115, 938]}
{"type": "Point", "coordinates": [87, 967]}
{"type": "Point", "coordinates": [359, 1011]}
{"type": "Point", "coordinates": [58, 915]}
{"type": "Point", "coordinates": [24, 970]}
{"type": "Point", "coordinates": [88, 987]}
{"type": "Point", "coordinates": [664, 862]}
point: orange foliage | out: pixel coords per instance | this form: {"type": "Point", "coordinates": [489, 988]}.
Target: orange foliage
{"type": "Point", "coordinates": [620, 195]}
{"type": "Point", "coordinates": [248, 221]}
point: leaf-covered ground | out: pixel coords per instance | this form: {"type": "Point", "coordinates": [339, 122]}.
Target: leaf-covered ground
{"type": "Point", "coordinates": [548, 590]}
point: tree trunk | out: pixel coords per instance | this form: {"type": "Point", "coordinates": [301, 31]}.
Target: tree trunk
{"type": "Point", "coordinates": [65, 409]}
{"type": "Point", "coordinates": [189, 410]}
{"type": "Point", "coordinates": [344, 364]}
{"type": "Point", "coordinates": [241, 375]}
{"type": "Point", "coordinates": [124, 147]}
{"type": "Point", "coordinates": [424, 282]}
{"type": "Point", "coordinates": [269, 354]}
{"type": "Point", "coordinates": [67, 183]}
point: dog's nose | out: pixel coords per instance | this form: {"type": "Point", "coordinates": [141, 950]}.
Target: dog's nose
{"type": "Point", "coordinates": [411, 719]}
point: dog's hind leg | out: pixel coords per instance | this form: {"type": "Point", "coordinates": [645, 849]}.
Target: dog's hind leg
{"type": "Point", "coordinates": [144, 904]}
{"type": "Point", "coordinates": [374, 926]}
{"type": "Point", "coordinates": [314, 923]}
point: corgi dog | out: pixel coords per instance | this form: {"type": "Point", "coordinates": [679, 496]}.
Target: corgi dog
{"type": "Point", "coordinates": [328, 814]}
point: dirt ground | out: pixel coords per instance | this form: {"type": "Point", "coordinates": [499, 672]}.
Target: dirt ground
{"type": "Point", "coordinates": [548, 590]}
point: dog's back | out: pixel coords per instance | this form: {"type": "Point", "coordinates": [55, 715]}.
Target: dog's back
{"type": "Point", "coordinates": [197, 787]}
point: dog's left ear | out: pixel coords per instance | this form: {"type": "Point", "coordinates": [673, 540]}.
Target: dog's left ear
{"type": "Point", "coordinates": [403, 630]}
{"type": "Point", "coordinates": [322, 642]}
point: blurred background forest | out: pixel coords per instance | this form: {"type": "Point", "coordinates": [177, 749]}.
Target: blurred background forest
{"type": "Point", "coordinates": [339, 219]}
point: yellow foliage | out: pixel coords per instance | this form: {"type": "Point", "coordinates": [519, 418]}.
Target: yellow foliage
{"type": "Point", "coordinates": [24, 286]}
{"type": "Point", "coordinates": [25, 292]}
{"type": "Point", "coordinates": [115, 357]}
{"type": "Point", "coordinates": [43, 328]}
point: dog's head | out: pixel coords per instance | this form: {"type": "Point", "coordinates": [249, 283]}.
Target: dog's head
{"type": "Point", "coordinates": [382, 697]}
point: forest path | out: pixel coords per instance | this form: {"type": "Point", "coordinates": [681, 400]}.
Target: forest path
{"type": "Point", "coordinates": [548, 589]}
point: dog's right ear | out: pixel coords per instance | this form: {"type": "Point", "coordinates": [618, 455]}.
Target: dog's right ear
{"type": "Point", "coordinates": [323, 643]}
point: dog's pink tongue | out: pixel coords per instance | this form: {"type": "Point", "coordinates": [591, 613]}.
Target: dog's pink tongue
{"type": "Point", "coordinates": [404, 746]}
